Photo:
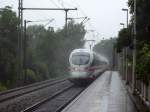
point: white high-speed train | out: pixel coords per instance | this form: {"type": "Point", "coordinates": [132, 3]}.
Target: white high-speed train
{"type": "Point", "coordinates": [85, 66]}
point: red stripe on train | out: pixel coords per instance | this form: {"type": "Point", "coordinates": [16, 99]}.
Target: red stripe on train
{"type": "Point", "coordinates": [85, 69]}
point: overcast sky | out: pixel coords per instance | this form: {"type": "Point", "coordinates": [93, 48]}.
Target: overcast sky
{"type": "Point", "coordinates": [105, 15]}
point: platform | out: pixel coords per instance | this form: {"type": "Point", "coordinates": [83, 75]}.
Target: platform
{"type": "Point", "coordinates": [106, 94]}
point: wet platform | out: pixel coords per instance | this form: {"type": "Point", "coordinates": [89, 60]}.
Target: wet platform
{"type": "Point", "coordinates": [106, 94]}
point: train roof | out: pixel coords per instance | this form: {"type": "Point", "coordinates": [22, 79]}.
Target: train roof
{"type": "Point", "coordinates": [81, 50]}
{"type": "Point", "coordinates": [102, 58]}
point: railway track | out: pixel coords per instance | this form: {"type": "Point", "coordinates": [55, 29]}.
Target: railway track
{"type": "Point", "coordinates": [19, 99]}
{"type": "Point", "coordinates": [13, 93]}
{"type": "Point", "coordinates": [57, 101]}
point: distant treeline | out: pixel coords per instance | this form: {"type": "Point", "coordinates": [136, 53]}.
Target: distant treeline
{"type": "Point", "coordinates": [46, 55]}
{"type": "Point", "coordinates": [106, 48]}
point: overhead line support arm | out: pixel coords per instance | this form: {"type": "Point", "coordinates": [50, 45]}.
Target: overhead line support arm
{"type": "Point", "coordinates": [65, 9]}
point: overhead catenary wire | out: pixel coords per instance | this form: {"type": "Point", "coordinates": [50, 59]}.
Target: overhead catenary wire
{"type": "Point", "coordinates": [49, 21]}
{"type": "Point", "coordinates": [64, 3]}
{"type": "Point", "coordinates": [43, 20]}
{"type": "Point", "coordinates": [61, 3]}
{"type": "Point", "coordinates": [42, 15]}
{"type": "Point", "coordinates": [10, 3]}
{"type": "Point", "coordinates": [54, 3]}
{"type": "Point", "coordinates": [88, 24]}
{"type": "Point", "coordinates": [79, 7]}
{"type": "Point", "coordinates": [84, 14]}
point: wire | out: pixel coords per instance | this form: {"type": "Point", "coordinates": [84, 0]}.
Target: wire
{"type": "Point", "coordinates": [61, 3]}
{"type": "Point", "coordinates": [48, 22]}
{"type": "Point", "coordinates": [79, 7]}
{"type": "Point", "coordinates": [70, 5]}
{"type": "Point", "coordinates": [84, 14]}
{"type": "Point", "coordinates": [54, 3]}
{"type": "Point", "coordinates": [43, 20]}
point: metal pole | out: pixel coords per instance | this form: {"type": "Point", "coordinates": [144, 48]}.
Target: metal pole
{"type": "Point", "coordinates": [134, 52]}
{"type": "Point", "coordinates": [124, 9]}
{"type": "Point", "coordinates": [127, 55]}
{"type": "Point", "coordinates": [19, 33]}
{"type": "Point", "coordinates": [123, 61]}
{"type": "Point", "coordinates": [20, 37]}
{"type": "Point", "coordinates": [113, 61]}
{"type": "Point", "coordinates": [127, 17]}
{"type": "Point", "coordinates": [123, 58]}
{"type": "Point", "coordinates": [65, 9]}
{"type": "Point", "coordinates": [66, 23]}
{"type": "Point", "coordinates": [126, 51]}
{"type": "Point", "coordinates": [122, 25]}
{"type": "Point", "coordinates": [25, 52]}
{"type": "Point", "coordinates": [90, 45]}
{"type": "Point", "coordinates": [49, 9]}
{"type": "Point", "coordinates": [21, 40]}
{"type": "Point", "coordinates": [126, 64]}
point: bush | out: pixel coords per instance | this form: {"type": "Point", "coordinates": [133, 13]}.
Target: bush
{"type": "Point", "coordinates": [143, 64]}
{"type": "Point", "coordinates": [2, 87]}
{"type": "Point", "coordinates": [31, 77]}
{"type": "Point", "coordinates": [41, 71]}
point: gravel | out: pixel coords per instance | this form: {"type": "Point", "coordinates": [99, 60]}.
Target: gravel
{"type": "Point", "coordinates": [22, 102]}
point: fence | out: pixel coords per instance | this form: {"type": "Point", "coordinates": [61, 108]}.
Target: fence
{"type": "Point", "coordinates": [141, 89]}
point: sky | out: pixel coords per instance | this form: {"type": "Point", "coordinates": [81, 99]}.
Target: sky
{"type": "Point", "coordinates": [105, 15]}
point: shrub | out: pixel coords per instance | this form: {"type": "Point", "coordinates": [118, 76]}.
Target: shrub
{"type": "Point", "coordinates": [2, 87]}
{"type": "Point", "coordinates": [31, 76]}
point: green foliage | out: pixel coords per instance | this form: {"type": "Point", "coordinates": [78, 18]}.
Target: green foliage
{"type": "Point", "coordinates": [142, 18]}
{"type": "Point", "coordinates": [8, 46]}
{"type": "Point", "coordinates": [2, 87]}
{"type": "Point", "coordinates": [31, 76]}
{"type": "Point", "coordinates": [143, 64]}
{"type": "Point", "coordinates": [105, 48]}
{"type": "Point", "coordinates": [143, 45]}
{"type": "Point", "coordinates": [124, 39]}
{"type": "Point", "coordinates": [49, 49]}
{"type": "Point", "coordinates": [41, 71]}
{"type": "Point", "coordinates": [142, 37]}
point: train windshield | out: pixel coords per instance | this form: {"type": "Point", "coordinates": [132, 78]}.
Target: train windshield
{"type": "Point", "coordinates": [80, 58]}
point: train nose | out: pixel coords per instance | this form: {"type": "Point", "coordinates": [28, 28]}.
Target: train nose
{"type": "Point", "coordinates": [76, 74]}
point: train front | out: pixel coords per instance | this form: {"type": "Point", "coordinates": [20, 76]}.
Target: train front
{"type": "Point", "coordinates": [80, 61]}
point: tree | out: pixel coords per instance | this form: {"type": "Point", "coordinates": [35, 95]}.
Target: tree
{"type": "Point", "coordinates": [49, 49]}
{"type": "Point", "coordinates": [142, 21]}
{"type": "Point", "coordinates": [106, 47]}
{"type": "Point", "coordinates": [142, 18]}
{"type": "Point", "coordinates": [124, 39]}
{"type": "Point", "coordinates": [8, 46]}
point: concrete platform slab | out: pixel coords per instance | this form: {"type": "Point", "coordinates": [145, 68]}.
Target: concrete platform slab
{"type": "Point", "coordinates": [106, 94]}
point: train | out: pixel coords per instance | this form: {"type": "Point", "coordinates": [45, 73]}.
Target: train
{"type": "Point", "coordinates": [85, 66]}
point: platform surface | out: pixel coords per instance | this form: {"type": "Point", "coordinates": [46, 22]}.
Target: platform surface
{"type": "Point", "coordinates": [106, 94]}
